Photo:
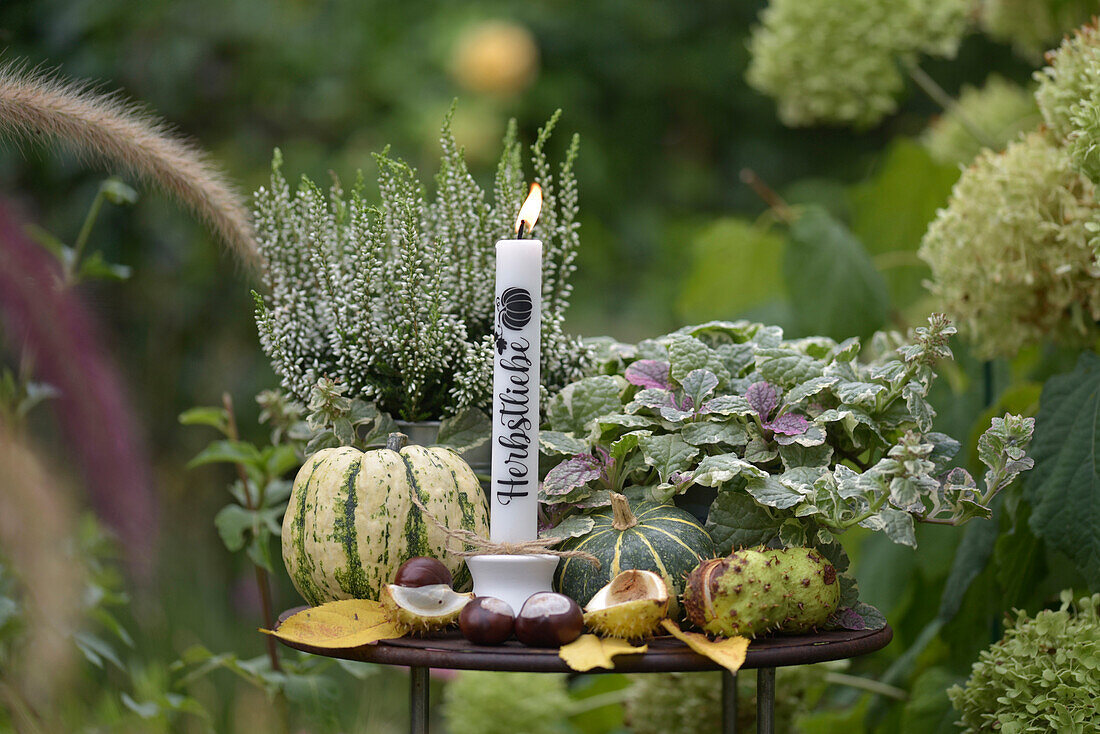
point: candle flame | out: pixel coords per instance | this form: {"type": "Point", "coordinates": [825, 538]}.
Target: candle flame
{"type": "Point", "coordinates": [529, 212]}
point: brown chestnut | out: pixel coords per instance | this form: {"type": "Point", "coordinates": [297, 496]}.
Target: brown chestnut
{"type": "Point", "coordinates": [549, 620]}
{"type": "Point", "coordinates": [422, 571]}
{"type": "Point", "coordinates": [486, 620]}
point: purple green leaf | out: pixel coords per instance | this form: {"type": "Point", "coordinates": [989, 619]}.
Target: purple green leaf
{"type": "Point", "coordinates": [650, 373]}
{"type": "Point", "coordinates": [789, 424]}
{"type": "Point", "coordinates": [763, 398]}
{"type": "Point", "coordinates": [572, 473]}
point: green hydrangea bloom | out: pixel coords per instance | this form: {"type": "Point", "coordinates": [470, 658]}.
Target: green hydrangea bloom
{"type": "Point", "coordinates": [482, 702]}
{"type": "Point", "coordinates": [1010, 254]}
{"type": "Point", "coordinates": [1033, 26]}
{"type": "Point", "coordinates": [1001, 110]}
{"type": "Point", "coordinates": [838, 60]}
{"type": "Point", "coordinates": [1069, 97]}
{"type": "Point", "coordinates": [1041, 677]}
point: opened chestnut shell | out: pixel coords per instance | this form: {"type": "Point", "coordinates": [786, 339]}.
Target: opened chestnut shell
{"type": "Point", "coordinates": [548, 619]}
{"type": "Point", "coordinates": [486, 620]}
{"type": "Point", "coordinates": [422, 571]}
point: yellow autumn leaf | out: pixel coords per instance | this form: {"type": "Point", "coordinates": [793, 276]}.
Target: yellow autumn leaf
{"type": "Point", "coordinates": [729, 652]}
{"type": "Point", "coordinates": [338, 625]}
{"type": "Point", "coordinates": [589, 651]}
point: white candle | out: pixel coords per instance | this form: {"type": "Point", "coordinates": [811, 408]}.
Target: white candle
{"type": "Point", "coordinates": [516, 358]}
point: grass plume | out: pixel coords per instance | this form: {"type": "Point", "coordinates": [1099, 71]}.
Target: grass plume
{"type": "Point", "coordinates": [105, 127]}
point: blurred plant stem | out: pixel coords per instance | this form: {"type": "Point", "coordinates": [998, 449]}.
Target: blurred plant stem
{"type": "Point", "coordinates": [940, 96]}
{"type": "Point", "coordinates": [72, 265]}
{"type": "Point", "coordinates": [767, 194]}
{"type": "Point", "coordinates": [251, 503]}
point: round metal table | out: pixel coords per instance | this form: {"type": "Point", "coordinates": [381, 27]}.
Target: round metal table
{"type": "Point", "coordinates": [665, 655]}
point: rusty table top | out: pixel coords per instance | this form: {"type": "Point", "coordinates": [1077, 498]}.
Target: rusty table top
{"type": "Point", "coordinates": [665, 654]}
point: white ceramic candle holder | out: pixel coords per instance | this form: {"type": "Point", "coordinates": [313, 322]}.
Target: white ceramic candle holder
{"type": "Point", "coordinates": [512, 578]}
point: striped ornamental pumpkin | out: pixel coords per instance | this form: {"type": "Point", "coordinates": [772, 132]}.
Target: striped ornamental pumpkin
{"type": "Point", "coordinates": [351, 522]}
{"type": "Point", "coordinates": [651, 536]}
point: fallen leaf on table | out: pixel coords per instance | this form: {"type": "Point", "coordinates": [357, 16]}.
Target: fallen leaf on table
{"type": "Point", "coordinates": [589, 651]}
{"type": "Point", "coordinates": [729, 652]}
{"type": "Point", "coordinates": [338, 624]}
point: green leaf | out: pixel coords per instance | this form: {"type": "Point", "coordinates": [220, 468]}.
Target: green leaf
{"type": "Point", "coordinates": [834, 287]}
{"type": "Point", "coordinates": [730, 433]}
{"type": "Point", "coordinates": [206, 416]}
{"type": "Point", "coordinates": [556, 443]}
{"type": "Point", "coordinates": [667, 454]}
{"type": "Point", "coordinates": [792, 533]}
{"type": "Point", "coordinates": [466, 430]}
{"type": "Point", "coordinates": [231, 452]}
{"type": "Point", "coordinates": [233, 523]}
{"type": "Point", "coordinates": [278, 460]}
{"type": "Point", "coordinates": [892, 209]}
{"type": "Point", "coordinates": [686, 353]}
{"type": "Point", "coordinates": [734, 265]}
{"type": "Point", "coordinates": [1064, 487]}
{"type": "Point", "coordinates": [714, 471]}
{"type": "Point", "coordinates": [809, 389]}
{"type": "Point", "coordinates": [897, 524]}
{"type": "Point", "coordinates": [579, 403]}
{"type": "Point", "coordinates": [787, 367]}
{"type": "Point", "coordinates": [728, 405]}
{"type": "Point", "coordinates": [117, 192]}
{"type": "Point", "coordinates": [698, 385]}
{"type": "Point", "coordinates": [735, 521]}
{"type": "Point", "coordinates": [573, 526]}
{"type": "Point", "coordinates": [625, 444]}
{"type": "Point", "coordinates": [768, 490]}
{"type": "Point", "coordinates": [94, 266]}
{"type": "Point", "coordinates": [96, 650]}
{"type": "Point", "coordinates": [797, 455]}
{"type": "Point", "coordinates": [928, 710]}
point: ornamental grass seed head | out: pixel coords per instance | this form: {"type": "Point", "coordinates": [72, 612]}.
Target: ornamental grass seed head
{"type": "Point", "coordinates": [1069, 97]}
{"type": "Point", "coordinates": [1010, 254]}
{"type": "Point", "coordinates": [1000, 109]}
{"type": "Point", "coordinates": [833, 61]}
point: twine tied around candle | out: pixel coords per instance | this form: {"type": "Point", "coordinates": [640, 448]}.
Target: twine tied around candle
{"type": "Point", "coordinates": [484, 546]}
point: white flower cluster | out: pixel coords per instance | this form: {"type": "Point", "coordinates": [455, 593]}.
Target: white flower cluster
{"type": "Point", "coordinates": [395, 299]}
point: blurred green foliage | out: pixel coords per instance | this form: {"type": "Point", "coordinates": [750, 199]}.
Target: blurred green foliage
{"type": "Point", "coordinates": [669, 236]}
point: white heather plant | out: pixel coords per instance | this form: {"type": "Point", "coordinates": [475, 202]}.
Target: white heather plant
{"type": "Point", "coordinates": [392, 302]}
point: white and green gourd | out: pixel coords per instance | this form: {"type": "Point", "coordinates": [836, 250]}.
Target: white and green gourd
{"type": "Point", "coordinates": [351, 520]}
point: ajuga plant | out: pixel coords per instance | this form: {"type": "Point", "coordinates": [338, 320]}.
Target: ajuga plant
{"type": "Point", "coordinates": [1011, 253]}
{"type": "Point", "coordinates": [393, 300]}
{"type": "Point", "coordinates": [1042, 676]}
{"type": "Point", "coordinates": [840, 60]}
{"type": "Point", "coordinates": [801, 439]}
{"type": "Point", "coordinates": [1001, 110]}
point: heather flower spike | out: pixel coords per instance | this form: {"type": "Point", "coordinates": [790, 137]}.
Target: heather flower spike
{"type": "Point", "coordinates": [391, 302]}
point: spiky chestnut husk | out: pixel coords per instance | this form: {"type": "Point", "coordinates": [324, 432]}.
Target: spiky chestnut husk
{"type": "Point", "coordinates": [742, 594]}
{"type": "Point", "coordinates": [631, 606]}
{"type": "Point", "coordinates": [812, 587]}
{"type": "Point", "coordinates": [423, 609]}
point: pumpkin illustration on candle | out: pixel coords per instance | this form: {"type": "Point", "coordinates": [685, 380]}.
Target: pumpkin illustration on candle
{"type": "Point", "coordinates": [515, 308]}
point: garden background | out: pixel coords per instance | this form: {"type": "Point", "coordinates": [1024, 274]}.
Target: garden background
{"type": "Point", "coordinates": [671, 234]}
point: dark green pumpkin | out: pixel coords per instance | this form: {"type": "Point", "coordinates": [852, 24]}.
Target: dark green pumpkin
{"type": "Point", "coordinates": [650, 536]}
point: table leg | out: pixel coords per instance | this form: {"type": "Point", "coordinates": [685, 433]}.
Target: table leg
{"type": "Point", "coordinates": [418, 700]}
{"type": "Point", "coordinates": [729, 702]}
{"type": "Point", "coordinates": [765, 701]}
